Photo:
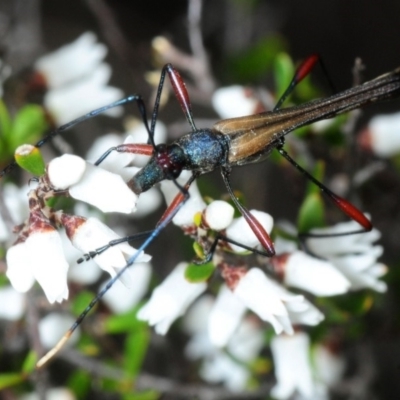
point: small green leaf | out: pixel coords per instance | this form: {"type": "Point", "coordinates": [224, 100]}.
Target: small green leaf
{"type": "Point", "coordinates": [312, 213]}
{"type": "Point", "coordinates": [5, 128]}
{"type": "Point", "coordinates": [80, 383]}
{"type": "Point", "coordinates": [318, 173]}
{"type": "Point", "coordinates": [82, 300]}
{"type": "Point", "coordinates": [122, 323]}
{"type": "Point", "coordinates": [30, 362]}
{"type": "Point", "coordinates": [257, 61]}
{"type": "Point", "coordinates": [283, 72]}
{"type": "Point", "coordinates": [145, 395]}
{"type": "Point", "coordinates": [30, 159]}
{"type": "Point", "coordinates": [199, 273]}
{"type": "Point", "coordinates": [11, 379]}
{"type": "Point", "coordinates": [136, 345]}
{"type": "Point", "coordinates": [28, 126]}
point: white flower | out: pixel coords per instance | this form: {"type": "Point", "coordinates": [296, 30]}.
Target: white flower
{"type": "Point", "coordinates": [327, 247]}
{"type": "Point", "coordinates": [304, 312]}
{"type": "Point", "coordinates": [15, 200]}
{"type": "Point", "coordinates": [292, 367]}
{"type": "Point", "coordinates": [193, 205]}
{"type": "Point", "coordinates": [40, 258]}
{"type": "Point", "coordinates": [65, 171]}
{"type": "Point", "coordinates": [85, 273]}
{"type": "Point", "coordinates": [218, 215]}
{"type": "Point", "coordinates": [91, 184]}
{"type": "Point", "coordinates": [218, 366]}
{"type": "Point", "coordinates": [72, 61]}
{"type": "Point", "coordinates": [234, 101]}
{"type": "Point", "coordinates": [230, 367]}
{"type": "Point", "coordinates": [260, 294]}
{"type": "Point", "coordinates": [138, 134]}
{"type": "Point", "coordinates": [225, 317]}
{"type": "Point", "coordinates": [240, 231]}
{"type": "Point", "coordinates": [382, 135]}
{"type": "Point", "coordinates": [69, 102]}
{"type": "Point", "coordinates": [329, 367]}
{"type": "Point", "coordinates": [121, 299]}
{"type": "Point", "coordinates": [12, 304]}
{"type": "Point", "coordinates": [121, 164]}
{"type": "Point", "coordinates": [314, 275]}
{"type": "Point", "coordinates": [117, 163]}
{"type": "Point", "coordinates": [170, 300]}
{"type": "Point", "coordinates": [90, 234]}
{"type": "Point", "coordinates": [53, 326]}
{"type": "Point", "coordinates": [59, 393]}
{"type": "Point", "coordinates": [354, 256]}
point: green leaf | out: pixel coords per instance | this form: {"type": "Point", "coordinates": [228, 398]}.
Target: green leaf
{"type": "Point", "coordinates": [28, 126]}
{"type": "Point", "coordinates": [318, 173]}
{"type": "Point", "coordinates": [5, 128]}
{"type": "Point", "coordinates": [30, 362]}
{"type": "Point", "coordinates": [30, 159]}
{"type": "Point", "coordinates": [11, 379]}
{"type": "Point", "coordinates": [80, 383]}
{"type": "Point", "coordinates": [312, 213]}
{"type": "Point", "coordinates": [82, 300]}
{"type": "Point", "coordinates": [136, 345]}
{"type": "Point", "coordinates": [199, 273]}
{"type": "Point", "coordinates": [122, 323]}
{"type": "Point", "coordinates": [145, 395]}
{"type": "Point", "coordinates": [283, 72]}
{"type": "Point", "coordinates": [256, 61]}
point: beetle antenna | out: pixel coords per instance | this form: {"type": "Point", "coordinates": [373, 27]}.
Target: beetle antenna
{"type": "Point", "coordinates": [153, 235]}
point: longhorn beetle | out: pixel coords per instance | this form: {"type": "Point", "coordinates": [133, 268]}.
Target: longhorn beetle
{"type": "Point", "coordinates": [229, 143]}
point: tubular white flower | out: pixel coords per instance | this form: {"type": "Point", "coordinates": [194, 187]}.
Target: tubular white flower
{"type": "Point", "coordinates": [260, 295]}
{"type": "Point", "coordinates": [120, 299]}
{"type": "Point", "coordinates": [72, 61]}
{"type": "Point", "coordinates": [85, 273]}
{"type": "Point", "coordinates": [366, 277]}
{"type": "Point", "coordinates": [225, 317]}
{"type": "Point", "coordinates": [15, 199]}
{"type": "Point", "coordinates": [240, 231]}
{"type": "Point", "coordinates": [382, 135]}
{"type": "Point", "coordinates": [316, 276]}
{"type": "Point", "coordinates": [104, 190]}
{"type": "Point", "coordinates": [40, 257]}
{"type": "Point", "coordinates": [218, 215]}
{"type": "Point", "coordinates": [244, 346]}
{"type": "Point", "coordinates": [192, 206]}
{"type": "Point", "coordinates": [72, 101]}
{"type": "Point", "coordinates": [19, 270]}
{"type": "Point", "coordinates": [329, 367]}
{"type": "Point", "coordinates": [304, 312]}
{"type": "Point", "coordinates": [59, 393]}
{"type": "Point", "coordinates": [234, 101]}
{"type": "Point", "coordinates": [12, 304]}
{"type": "Point", "coordinates": [138, 134]}
{"type": "Point", "coordinates": [88, 235]}
{"type": "Point", "coordinates": [170, 300]}
{"type": "Point", "coordinates": [332, 246]}
{"type": "Point", "coordinates": [117, 163]}
{"type": "Point", "coordinates": [53, 326]}
{"type": "Point", "coordinates": [65, 171]}
{"type": "Point", "coordinates": [292, 367]}
{"type": "Point", "coordinates": [354, 256]}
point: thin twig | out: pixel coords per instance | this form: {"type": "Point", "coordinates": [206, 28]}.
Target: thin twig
{"type": "Point", "coordinates": [164, 385]}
